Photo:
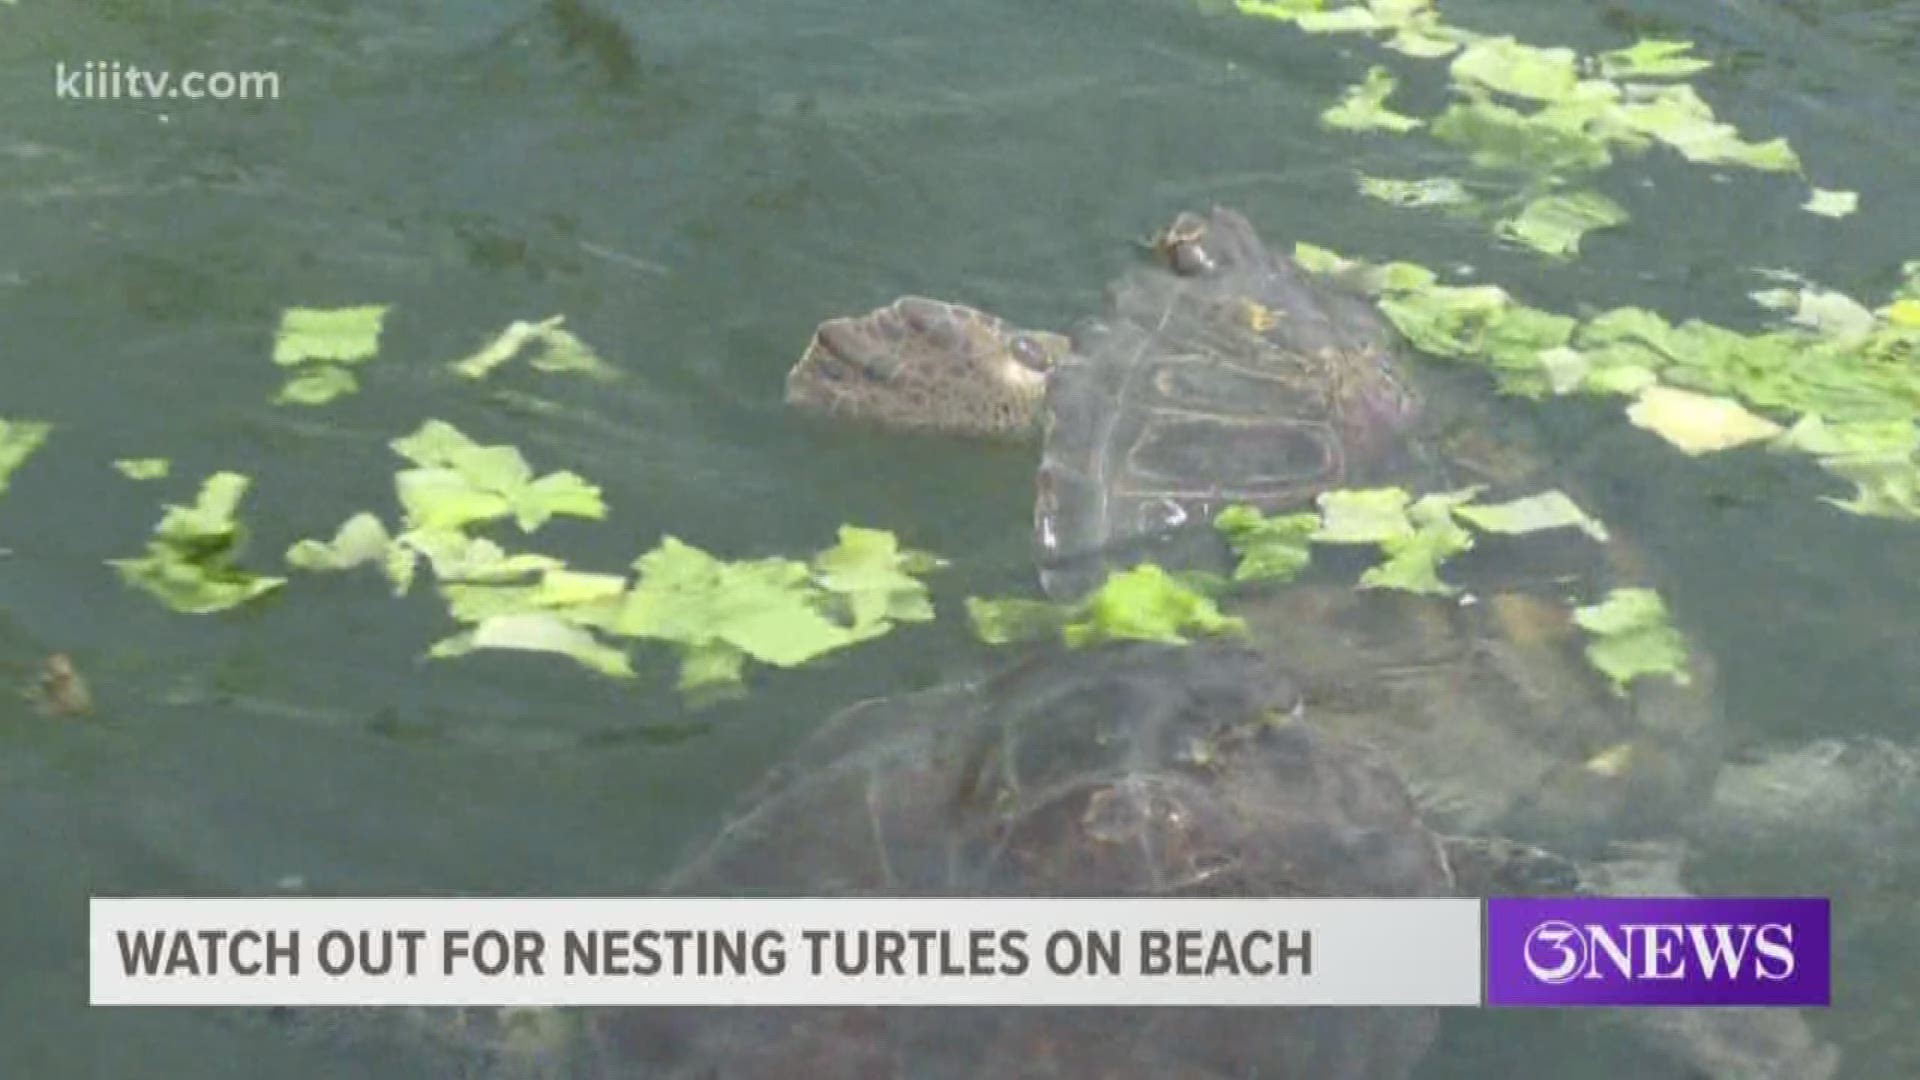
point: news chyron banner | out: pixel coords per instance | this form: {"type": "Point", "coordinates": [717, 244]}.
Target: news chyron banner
{"type": "Point", "coordinates": [968, 952]}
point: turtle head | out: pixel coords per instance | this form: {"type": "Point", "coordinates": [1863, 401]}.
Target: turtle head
{"type": "Point", "coordinates": [1202, 245]}
{"type": "Point", "coordinates": [927, 365]}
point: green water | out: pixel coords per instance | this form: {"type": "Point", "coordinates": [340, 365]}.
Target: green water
{"type": "Point", "coordinates": [695, 186]}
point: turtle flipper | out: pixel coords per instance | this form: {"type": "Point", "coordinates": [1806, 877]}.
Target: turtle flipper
{"type": "Point", "coordinates": [1495, 866]}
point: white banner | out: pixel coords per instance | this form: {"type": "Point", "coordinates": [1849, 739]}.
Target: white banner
{"type": "Point", "coordinates": [300, 951]}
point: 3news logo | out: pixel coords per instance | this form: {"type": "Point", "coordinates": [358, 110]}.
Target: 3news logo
{"type": "Point", "coordinates": [1691, 951]}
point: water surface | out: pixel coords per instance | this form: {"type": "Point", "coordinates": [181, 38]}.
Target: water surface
{"type": "Point", "coordinates": [695, 186]}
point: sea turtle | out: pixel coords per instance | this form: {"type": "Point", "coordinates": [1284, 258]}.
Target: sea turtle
{"type": "Point", "coordinates": [1227, 375]}
{"type": "Point", "coordinates": [1279, 764]}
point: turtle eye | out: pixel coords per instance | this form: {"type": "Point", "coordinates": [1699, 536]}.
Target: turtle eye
{"type": "Point", "coordinates": [1029, 353]}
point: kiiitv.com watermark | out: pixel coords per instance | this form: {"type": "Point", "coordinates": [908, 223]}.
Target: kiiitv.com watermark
{"type": "Point", "coordinates": [113, 80]}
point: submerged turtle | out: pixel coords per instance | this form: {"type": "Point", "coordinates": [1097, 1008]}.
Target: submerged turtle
{"type": "Point", "coordinates": [1227, 375]}
{"type": "Point", "coordinates": [1279, 765]}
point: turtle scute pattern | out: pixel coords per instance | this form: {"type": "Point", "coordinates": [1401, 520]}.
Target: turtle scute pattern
{"type": "Point", "coordinates": [1231, 377]}
{"type": "Point", "coordinates": [1145, 771]}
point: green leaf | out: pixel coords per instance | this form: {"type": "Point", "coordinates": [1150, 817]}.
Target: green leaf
{"type": "Point", "coordinates": [1346, 20]}
{"type": "Point", "coordinates": [462, 483]}
{"type": "Point", "coordinates": [1676, 116]}
{"type": "Point", "coordinates": [317, 385]}
{"type": "Point", "coordinates": [874, 577]}
{"type": "Point", "coordinates": [18, 440]}
{"type": "Point", "coordinates": [190, 563]}
{"type": "Point", "coordinates": [361, 539]}
{"type": "Point", "coordinates": [436, 443]}
{"type": "Point", "coordinates": [144, 468]}
{"type": "Point", "coordinates": [1364, 106]}
{"type": "Point", "coordinates": [1824, 311]}
{"type": "Point", "coordinates": [553, 495]}
{"type": "Point", "coordinates": [1812, 435]}
{"type": "Point", "coordinates": [1535, 513]}
{"type": "Point", "coordinates": [1653, 58]}
{"type": "Point", "coordinates": [1885, 485]}
{"type": "Point", "coordinates": [1510, 67]}
{"type": "Point", "coordinates": [340, 335]}
{"type": "Point", "coordinates": [1145, 604]}
{"type": "Point", "coordinates": [1834, 204]}
{"type": "Point", "coordinates": [1413, 561]}
{"type": "Point", "coordinates": [1632, 637]}
{"type": "Point", "coordinates": [1270, 548]}
{"type": "Point", "coordinates": [765, 608]}
{"type": "Point", "coordinates": [1500, 137]}
{"type": "Point", "coordinates": [1003, 622]}
{"type": "Point", "coordinates": [1554, 224]}
{"type": "Point", "coordinates": [558, 350]}
{"type": "Point", "coordinates": [1435, 191]}
{"type": "Point", "coordinates": [1283, 10]}
{"type": "Point", "coordinates": [539, 632]}
{"type": "Point", "coordinates": [1698, 423]}
{"type": "Point", "coordinates": [455, 556]}
{"type": "Point", "coordinates": [1371, 516]}
{"type": "Point", "coordinates": [437, 499]}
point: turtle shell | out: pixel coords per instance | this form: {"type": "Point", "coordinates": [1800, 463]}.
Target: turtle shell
{"type": "Point", "coordinates": [1144, 771]}
{"type": "Point", "coordinates": [1492, 711]}
{"type": "Point", "coordinates": [1228, 376]}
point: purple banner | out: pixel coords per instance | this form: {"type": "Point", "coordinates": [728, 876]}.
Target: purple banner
{"type": "Point", "coordinates": [1696, 951]}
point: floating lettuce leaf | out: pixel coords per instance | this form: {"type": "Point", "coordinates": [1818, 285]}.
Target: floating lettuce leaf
{"type": "Point", "coordinates": [455, 556]}
{"type": "Point", "coordinates": [1415, 538]}
{"type": "Point", "coordinates": [144, 468]}
{"type": "Point", "coordinates": [875, 579]}
{"type": "Point", "coordinates": [586, 599]}
{"type": "Point", "coordinates": [1676, 116]}
{"type": "Point", "coordinates": [1510, 67]}
{"type": "Point", "coordinates": [1881, 458]}
{"type": "Point", "coordinates": [1500, 137]}
{"type": "Point", "coordinates": [440, 499]}
{"type": "Point", "coordinates": [766, 609]}
{"type": "Point", "coordinates": [1824, 311]}
{"type": "Point", "coordinates": [1368, 516]}
{"type": "Point", "coordinates": [558, 350]}
{"type": "Point", "coordinates": [190, 563]}
{"type": "Point", "coordinates": [1270, 548]}
{"type": "Point", "coordinates": [538, 632]}
{"type": "Point", "coordinates": [1554, 224]}
{"type": "Point", "coordinates": [1632, 637]}
{"type": "Point", "coordinates": [1364, 106]}
{"type": "Point", "coordinates": [317, 385]}
{"type": "Point", "coordinates": [1885, 485]}
{"type": "Point", "coordinates": [1834, 204]}
{"type": "Point", "coordinates": [1813, 435]}
{"type": "Point", "coordinates": [1653, 58]}
{"type": "Point", "coordinates": [1414, 558]}
{"type": "Point", "coordinates": [1535, 513]}
{"type": "Point", "coordinates": [1284, 10]}
{"type": "Point", "coordinates": [1003, 622]}
{"type": "Point", "coordinates": [1346, 20]}
{"type": "Point", "coordinates": [1697, 423]}
{"type": "Point", "coordinates": [18, 440]}
{"type": "Point", "coordinates": [1145, 604]}
{"type": "Point", "coordinates": [340, 335]}
{"type": "Point", "coordinates": [1482, 324]}
{"type": "Point", "coordinates": [461, 483]}
{"type": "Point", "coordinates": [361, 539]}
{"type": "Point", "coordinates": [1413, 194]}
